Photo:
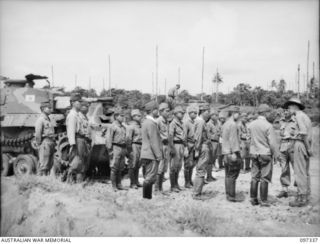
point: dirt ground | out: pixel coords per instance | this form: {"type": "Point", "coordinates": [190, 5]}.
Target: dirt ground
{"type": "Point", "coordinates": [43, 206]}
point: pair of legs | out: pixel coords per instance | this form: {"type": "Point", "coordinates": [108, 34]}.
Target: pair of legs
{"type": "Point", "coordinates": [151, 170]}
{"type": "Point", "coordinates": [134, 166]}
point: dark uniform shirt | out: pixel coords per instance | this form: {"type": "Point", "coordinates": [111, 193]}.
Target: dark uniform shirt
{"type": "Point", "coordinates": [214, 130]}
{"type": "Point", "coordinates": [176, 131]}
{"type": "Point", "coordinates": [133, 134]}
{"type": "Point", "coordinates": [116, 134]}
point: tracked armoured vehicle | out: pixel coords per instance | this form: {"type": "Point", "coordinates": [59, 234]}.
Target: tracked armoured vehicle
{"type": "Point", "coordinates": [20, 108]}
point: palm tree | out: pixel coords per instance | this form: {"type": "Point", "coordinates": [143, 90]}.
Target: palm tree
{"type": "Point", "coordinates": [217, 80]}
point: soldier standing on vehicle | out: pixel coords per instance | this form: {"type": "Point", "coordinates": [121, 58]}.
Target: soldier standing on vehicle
{"type": "Point", "coordinates": [177, 147]}
{"type": "Point", "coordinates": [202, 150]}
{"type": "Point", "coordinates": [244, 144]}
{"type": "Point", "coordinates": [172, 95]}
{"type": "Point", "coordinates": [163, 127]}
{"type": "Point", "coordinates": [116, 145]}
{"type": "Point", "coordinates": [44, 134]}
{"type": "Point", "coordinates": [288, 129]}
{"type": "Point", "coordinates": [134, 140]}
{"type": "Point", "coordinates": [189, 161]}
{"type": "Point", "coordinates": [263, 147]}
{"type": "Point", "coordinates": [79, 151]}
{"type": "Point", "coordinates": [151, 151]}
{"type": "Point", "coordinates": [231, 152]}
{"type": "Point", "coordinates": [302, 151]}
{"type": "Point", "coordinates": [214, 131]}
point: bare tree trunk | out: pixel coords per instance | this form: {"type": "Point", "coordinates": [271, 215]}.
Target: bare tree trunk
{"type": "Point", "coordinates": [217, 91]}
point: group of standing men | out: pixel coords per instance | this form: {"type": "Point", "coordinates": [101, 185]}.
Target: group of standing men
{"type": "Point", "coordinates": [193, 141]}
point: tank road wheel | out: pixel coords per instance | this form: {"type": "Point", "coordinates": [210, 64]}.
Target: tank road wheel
{"type": "Point", "coordinates": [5, 164]}
{"type": "Point", "coordinates": [24, 165]}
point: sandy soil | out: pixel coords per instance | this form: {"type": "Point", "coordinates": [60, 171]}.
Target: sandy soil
{"type": "Point", "coordinates": [43, 206]}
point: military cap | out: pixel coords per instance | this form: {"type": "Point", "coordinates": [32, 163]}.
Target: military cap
{"type": "Point", "coordinates": [295, 101]}
{"type": "Point", "coordinates": [45, 104]}
{"type": "Point", "coordinates": [135, 112]}
{"type": "Point", "coordinates": [204, 106]}
{"type": "Point", "coordinates": [250, 116]}
{"type": "Point", "coordinates": [193, 108]}
{"type": "Point", "coordinates": [118, 111]}
{"type": "Point", "coordinates": [75, 97]}
{"type": "Point", "coordinates": [151, 106]}
{"type": "Point", "coordinates": [178, 109]}
{"type": "Point", "coordinates": [213, 111]}
{"type": "Point", "coordinates": [163, 106]}
{"type": "Point", "coordinates": [264, 108]}
{"type": "Point", "coordinates": [233, 109]}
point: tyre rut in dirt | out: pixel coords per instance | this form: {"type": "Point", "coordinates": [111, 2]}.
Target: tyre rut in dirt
{"type": "Point", "coordinates": [24, 165]}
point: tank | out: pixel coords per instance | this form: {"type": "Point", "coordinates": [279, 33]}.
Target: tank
{"type": "Point", "coordinates": [20, 109]}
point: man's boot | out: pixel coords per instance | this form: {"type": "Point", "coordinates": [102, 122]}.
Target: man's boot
{"type": "Point", "coordinates": [157, 184]}
{"type": "Point", "coordinates": [132, 179]}
{"type": "Point", "coordinates": [173, 182]}
{"type": "Point", "coordinates": [148, 191]}
{"type": "Point", "coordinates": [300, 201]}
{"type": "Point", "coordinates": [119, 185]}
{"type": "Point", "coordinates": [254, 193]}
{"type": "Point", "coordinates": [113, 178]}
{"type": "Point", "coordinates": [136, 177]}
{"type": "Point", "coordinates": [190, 176]}
{"type": "Point", "coordinates": [197, 188]}
{"type": "Point", "coordinates": [145, 190]}
{"type": "Point", "coordinates": [210, 178]}
{"type": "Point", "coordinates": [187, 179]}
{"type": "Point", "coordinates": [161, 182]}
{"type": "Point", "coordinates": [177, 181]}
{"type": "Point", "coordinates": [264, 194]}
{"type": "Point", "coordinates": [283, 193]}
{"type": "Point", "coordinates": [231, 197]}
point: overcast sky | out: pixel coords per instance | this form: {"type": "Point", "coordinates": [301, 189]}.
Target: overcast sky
{"type": "Point", "coordinates": [249, 41]}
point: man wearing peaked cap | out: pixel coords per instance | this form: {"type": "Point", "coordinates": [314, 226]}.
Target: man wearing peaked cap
{"type": "Point", "coordinates": [134, 140]}
{"type": "Point", "coordinates": [44, 131]}
{"type": "Point", "coordinates": [151, 153]}
{"type": "Point", "coordinates": [302, 152]}
{"type": "Point", "coordinates": [204, 106]}
{"type": "Point", "coordinates": [75, 97]}
{"type": "Point", "coordinates": [192, 109]}
{"type": "Point", "coordinates": [177, 146]}
{"type": "Point", "coordinates": [163, 106]}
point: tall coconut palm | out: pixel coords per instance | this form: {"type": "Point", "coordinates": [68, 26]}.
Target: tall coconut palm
{"type": "Point", "coordinates": [217, 80]}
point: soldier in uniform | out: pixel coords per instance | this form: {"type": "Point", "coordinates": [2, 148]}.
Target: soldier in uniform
{"type": "Point", "coordinates": [85, 128]}
{"type": "Point", "coordinates": [44, 134]}
{"type": "Point", "coordinates": [79, 151]}
{"type": "Point", "coordinates": [214, 131]}
{"type": "Point", "coordinates": [202, 150]}
{"type": "Point", "coordinates": [287, 133]}
{"type": "Point", "coordinates": [172, 94]}
{"type": "Point", "coordinates": [151, 151]}
{"type": "Point", "coordinates": [163, 127]}
{"type": "Point", "coordinates": [244, 144]}
{"type": "Point", "coordinates": [302, 151]}
{"type": "Point", "coordinates": [135, 141]}
{"type": "Point", "coordinates": [231, 152]}
{"type": "Point", "coordinates": [263, 147]}
{"type": "Point", "coordinates": [116, 145]}
{"type": "Point", "coordinates": [177, 146]}
{"type": "Point", "coordinates": [221, 120]}
{"type": "Point", "coordinates": [189, 162]}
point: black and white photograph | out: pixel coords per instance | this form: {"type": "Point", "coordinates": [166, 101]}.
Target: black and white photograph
{"type": "Point", "coordinates": [178, 118]}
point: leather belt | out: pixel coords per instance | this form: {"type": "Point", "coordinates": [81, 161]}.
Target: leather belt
{"type": "Point", "coordinates": [165, 142]}
{"type": "Point", "coordinates": [119, 145]}
{"type": "Point", "coordinates": [178, 142]}
{"type": "Point", "coordinates": [138, 143]}
{"type": "Point", "coordinates": [215, 140]}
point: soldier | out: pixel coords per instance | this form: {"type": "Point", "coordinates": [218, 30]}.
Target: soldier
{"type": "Point", "coordinates": [202, 150]}
{"type": "Point", "coordinates": [263, 148]}
{"type": "Point", "coordinates": [135, 141]}
{"type": "Point", "coordinates": [231, 152]}
{"type": "Point", "coordinates": [151, 153]}
{"type": "Point", "coordinates": [189, 162]}
{"type": "Point", "coordinates": [85, 129]}
{"type": "Point", "coordinates": [116, 145]}
{"type": "Point", "coordinates": [163, 127]}
{"type": "Point", "coordinates": [244, 144]}
{"type": "Point", "coordinates": [302, 151]}
{"type": "Point", "coordinates": [79, 151]}
{"type": "Point", "coordinates": [172, 94]}
{"type": "Point", "coordinates": [287, 133]}
{"type": "Point", "coordinates": [177, 146]}
{"type": "Point", "coordinates": [221, 120]}
{"type": "Point", "coordinates": [44, 134]}
{"type": "Point", "coordinates": [214, 131]}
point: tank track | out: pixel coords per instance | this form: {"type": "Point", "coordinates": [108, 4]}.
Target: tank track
{"type": "Point", "coordinates": [16, 144]}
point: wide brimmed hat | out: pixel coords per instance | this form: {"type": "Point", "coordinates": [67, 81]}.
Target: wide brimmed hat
{"type": "Point", "coordinates": [296, 101]}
